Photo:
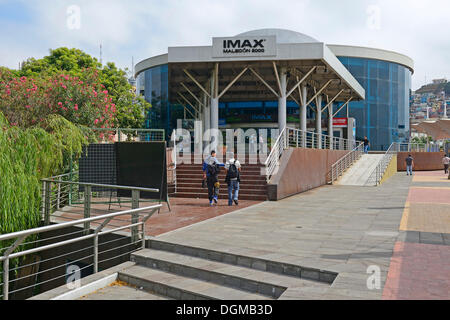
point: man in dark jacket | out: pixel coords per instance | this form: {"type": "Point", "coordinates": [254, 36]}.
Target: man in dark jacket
{"type": "Point", "coordinates": [409, 165]}
{"type": "Point", "coordinates": [211, 169]}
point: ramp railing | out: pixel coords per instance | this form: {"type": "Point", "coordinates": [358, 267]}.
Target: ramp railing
{"type": "Point", "coordinates": [378, 173]}
{"type": "Point", "coordinates": [90, 255]}
{"type": "Point", "coordinates": [344, 163]}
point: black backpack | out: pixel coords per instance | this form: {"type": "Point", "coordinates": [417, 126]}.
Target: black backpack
{"type": "Point", "coordinates": [233, 172]}
{"type": "Point", "coordinates": [213, 170]}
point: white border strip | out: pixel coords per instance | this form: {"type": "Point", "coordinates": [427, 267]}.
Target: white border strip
{"type": "Point", "coordinates": [88, 288]}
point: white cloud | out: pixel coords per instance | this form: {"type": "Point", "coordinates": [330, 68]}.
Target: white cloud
{"type": "Point", "coordinates": [145, 28]}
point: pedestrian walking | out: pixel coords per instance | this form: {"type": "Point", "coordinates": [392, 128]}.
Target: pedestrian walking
{"type": "Point", "coordinates": [409, 165]}
{"type": "Point", "coordinates": [233, 178]}
{"type": "Point", "coordinates": [446, 162]}
{"type": "Point", "coordinates": [211, 169]}
{"type": "Point", "coordinates": [366, 145]}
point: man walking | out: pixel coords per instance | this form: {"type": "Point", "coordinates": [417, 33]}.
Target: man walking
{"type": "Point", "coordinates": [233, 169]}
{"type": "Point", "coordinates": [366, 145]}
{"type": "Point", "coordinates": [409, 165]}
{"type": "Point", "coordinates": [211, 169]}
{"type": "Point", "coordinates": [446, 162]}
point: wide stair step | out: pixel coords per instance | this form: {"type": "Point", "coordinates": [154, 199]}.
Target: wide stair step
{"type": "Point", "coordinates": [238, 277]}
{"type": "Point", "coordinates": [179, 271]}
{"type": "Point", "coordinates": [180, 287]}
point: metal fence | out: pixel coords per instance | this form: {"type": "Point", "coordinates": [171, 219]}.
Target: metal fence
{"type": "Point", "coordinates": [102, 227]}
{"type": "Point", "coordinates": [418, 147]}
{"type": "Point", "coordinates": [111, 135]}
{"type": "Point", "coordinates": [345, 162]}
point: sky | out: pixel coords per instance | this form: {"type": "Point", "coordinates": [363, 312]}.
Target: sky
{"type": "Point", "coordinates": [141, 29]}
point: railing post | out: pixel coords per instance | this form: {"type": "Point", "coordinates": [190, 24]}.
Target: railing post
{"type": "Point", "coordinates": [143, 235]}
{"type": "Point", "coordinates": [135, 194]}
{"type": "Point", "coordinates": [47, 185]}
{"type": "Point", "coordinates": [6, 278]}
{"type": "Point", "coordinates": [58, 197]}
{"type": "Point", "coordinates": [96, 253]}
{"type": "Point", "coordinates": [87, 207]}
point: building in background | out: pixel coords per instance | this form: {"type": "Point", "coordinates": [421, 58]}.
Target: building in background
{"type": "Point", "coordinates": [383, 116]}
{"type": "Point", "coordinates": [431, 101]}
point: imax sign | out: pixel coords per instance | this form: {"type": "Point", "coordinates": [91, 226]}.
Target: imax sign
{"type": "Point", "coordinates": [245, 47]}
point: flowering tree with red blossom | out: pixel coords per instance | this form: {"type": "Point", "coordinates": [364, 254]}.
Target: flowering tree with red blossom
{"type": "Point", "coordinates": [130, 109]}
{"type": "Point", "coordinates": [28, 101]}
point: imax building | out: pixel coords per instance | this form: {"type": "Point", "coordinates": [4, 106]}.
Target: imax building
{"type": "Point", "coordinates": [273, 78]}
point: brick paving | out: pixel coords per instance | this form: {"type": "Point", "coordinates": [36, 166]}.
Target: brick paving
{"type": "Point", "coordinates": [184, 212]}
{"type": "Point", "coordinates": [418, 271]}
{"type": "Point", "coordinates": [422, 270]}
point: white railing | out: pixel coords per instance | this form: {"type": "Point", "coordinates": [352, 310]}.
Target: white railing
{"type": "Point", "coordinates": [378, 173]}
{"type": "Point", "coordinates": [273, 160]}
{"type": "Point", "coordinates": [296, 138]}
{"type": "Point", "coordinates": [345, 162]}
{"type": "Point", "coordinates": [311, 140]}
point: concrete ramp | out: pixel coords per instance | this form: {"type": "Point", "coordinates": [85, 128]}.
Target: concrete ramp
{"type": "Point", "coordinates": [359, 172]}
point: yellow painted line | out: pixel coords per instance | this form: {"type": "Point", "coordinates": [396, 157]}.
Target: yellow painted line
{"type": "Point", "coordinates": [428, 203]}
{"type": "Point", "coordinates": [436, 188]}
{"type": "Point", "coordinates": [430, 179]}
{"type": "Point", "coordinates": [405, 217]}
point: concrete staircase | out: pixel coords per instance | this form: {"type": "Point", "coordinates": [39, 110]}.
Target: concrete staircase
{"type": "Point", "coordinates": [176, 271]}
{"type": "Point", "coordinates": [359, 172]}
{"type": "Point", "coordinates": [253, 185]}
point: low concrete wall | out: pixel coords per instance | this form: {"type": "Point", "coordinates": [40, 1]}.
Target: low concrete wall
{"type": "Point", "coordinates": [423, 161]}
{"type": "Point", "coordinates": [302, 170]}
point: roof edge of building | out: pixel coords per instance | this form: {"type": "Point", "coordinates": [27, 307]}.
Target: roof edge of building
{"type": "Point", "coordinates": [150, 63]}
{"type": "Point", "coordinates": [372, 53]}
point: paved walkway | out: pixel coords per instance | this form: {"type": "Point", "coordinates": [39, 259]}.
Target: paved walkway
{"type": "Point", "coordinates": [345, 229]}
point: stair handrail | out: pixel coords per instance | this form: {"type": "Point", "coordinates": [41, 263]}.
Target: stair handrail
{"type": "Point", "coordinates": [378, 173]}
{"type": "Point", "coordinates": [338, 168]}
{"type": "Point", "coordinates": [272, 160]}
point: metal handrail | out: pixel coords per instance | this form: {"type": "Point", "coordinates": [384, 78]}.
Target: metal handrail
{"type": "Point", "coordinates": [20, 236]}
{"type": "Point", "coordinates": [272, 160]}
{"type": "Point", "coordinates": [106, 186]}
{"type": "Point", "coordinates": [338, 168]}
{"type": "Point", "coordinates": [378, 173]}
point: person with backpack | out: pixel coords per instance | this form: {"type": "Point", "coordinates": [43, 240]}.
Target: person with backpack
{"type": "Point", "coordinates": [211, 169]}
{"type": "Point", "coordinates": [233, 169]}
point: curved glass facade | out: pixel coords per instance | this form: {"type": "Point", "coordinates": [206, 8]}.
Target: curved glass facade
{"type": "Point", "coordinates": [383, 117]}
